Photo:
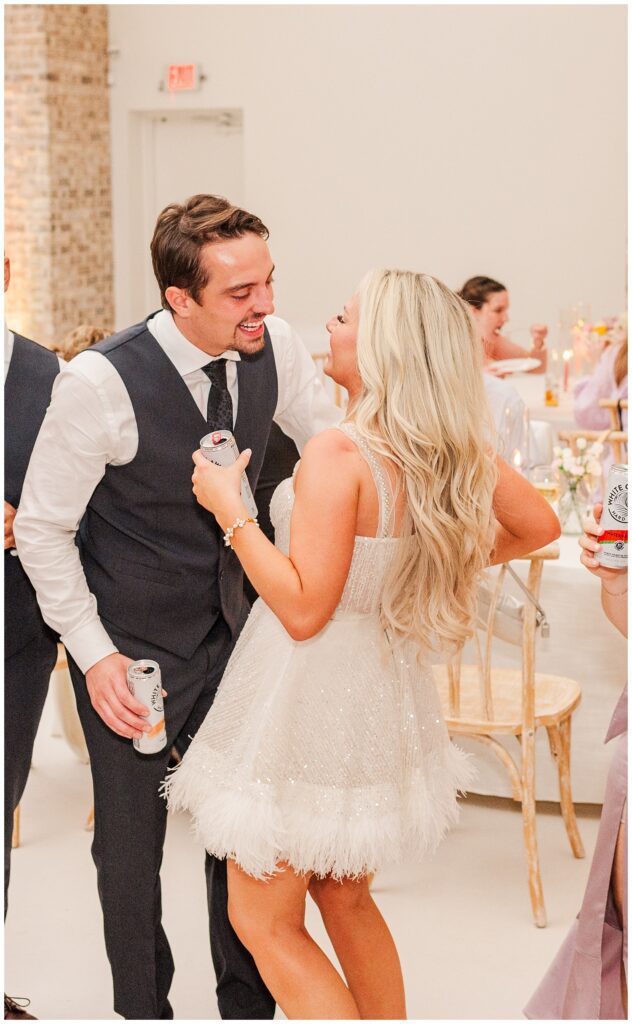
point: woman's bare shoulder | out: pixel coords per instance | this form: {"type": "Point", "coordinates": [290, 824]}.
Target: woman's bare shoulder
{"type": "Point", "coordinates": [331, 442]}
{"type": "Point", "coordinates": [330, 455]}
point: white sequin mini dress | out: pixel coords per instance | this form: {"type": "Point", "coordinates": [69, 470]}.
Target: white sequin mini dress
{"type": "Point", "coordinates": [331, 753]}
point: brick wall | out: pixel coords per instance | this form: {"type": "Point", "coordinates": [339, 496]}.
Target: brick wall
{"type": "Point", "coordinates": [58, 231]}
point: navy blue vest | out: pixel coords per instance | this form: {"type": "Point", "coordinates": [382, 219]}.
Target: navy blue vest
{"type": "Point", "coordinates": [153, 557]}
{"type": "Point", "coordinates": [27, 390]}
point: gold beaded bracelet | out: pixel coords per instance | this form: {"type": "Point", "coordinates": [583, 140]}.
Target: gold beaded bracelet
{"type": "Point", "coordinates": [237, 525]}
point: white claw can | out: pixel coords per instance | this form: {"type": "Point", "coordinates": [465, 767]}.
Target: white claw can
{"type": "Point", "coordinates": [221, 448]}
{"type": "Point", "coordinates": [145, 683]}
{"type": "Point", "coordinates": [613, 549]}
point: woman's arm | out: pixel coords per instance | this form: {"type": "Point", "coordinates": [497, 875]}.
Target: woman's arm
{"type": "Point", "coordinates": [524, 519]}
{"type": "Point", "coordinates": [588, 391]}
{"type": "Point", "coordinates": [304, 589]}
{"type": "Point", "coordinates": [503, 348]}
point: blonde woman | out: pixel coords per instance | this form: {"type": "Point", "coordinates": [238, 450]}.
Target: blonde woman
{"type": "Point", "coordinates": [325, 755]}
{"type": "Point", "coordinates": [78, 340]}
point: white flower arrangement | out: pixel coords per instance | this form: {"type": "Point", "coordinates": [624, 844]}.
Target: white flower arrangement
{"type": "Point", "coordinates": [575, 467]}
{"type": "Point", "coordinates": [592, 338]}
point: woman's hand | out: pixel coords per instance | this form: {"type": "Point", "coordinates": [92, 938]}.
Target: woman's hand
{"type": "Point", "coordinates": [614, 580]}
{"type": "Point", "coordinates": [218, 488]}
{"type": "Point", "coordinates": [538, 335]}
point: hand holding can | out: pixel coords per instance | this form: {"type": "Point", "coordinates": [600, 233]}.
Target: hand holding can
{"type": "Point", "coordinates": [613, 540]}
{"type": "Point", "coordinates": [220, 448]}
{"type": "Point", "coordinates": [145, 683]}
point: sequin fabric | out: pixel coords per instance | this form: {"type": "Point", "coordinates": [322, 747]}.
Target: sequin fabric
{"type": "Point", "coordinates": [331, 753]}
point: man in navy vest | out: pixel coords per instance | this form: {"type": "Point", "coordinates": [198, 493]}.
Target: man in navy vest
{"type": "Point", "coordinates": [149, 576]}
{"type": "Point", "coordinates": [30, 647]}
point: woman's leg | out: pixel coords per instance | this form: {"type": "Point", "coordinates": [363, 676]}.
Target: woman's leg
{"type": "Point", "coordinates": [269, 918]}
{"type": "Point", "coordinates": [619, 892]}
{"type": "Point", "coordinates": [364, 946]}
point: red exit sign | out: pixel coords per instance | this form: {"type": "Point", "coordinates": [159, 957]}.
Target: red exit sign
{"type": "Point", "coordinates": [182, 77]}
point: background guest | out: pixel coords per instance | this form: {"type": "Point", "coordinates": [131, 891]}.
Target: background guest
{"type": "Point", "coordinates": [510, 419]}
{"type": "Point", "coordinates": [609, 379]}
{"type": "Point", "coordinates": [588, 978]}
{"type": "Point", "coordinates": [30, 647]}
{"type": "Point", "coordinates": [489, 300]}
{"type": "Point", "coordinates": [79, 339]}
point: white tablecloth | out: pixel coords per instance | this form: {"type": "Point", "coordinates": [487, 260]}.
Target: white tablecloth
{"type": "Point", "coordinates": [531, 387]}
{"type": "Point", "coordinates": [584, 646]}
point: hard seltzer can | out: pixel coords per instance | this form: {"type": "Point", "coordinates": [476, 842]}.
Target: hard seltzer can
{"type": "Point", "coordinates": [145, 683]}
{"type": "Point", "coordinates": [613, 550]}
{"type": "Point", "coordinates": [221, 448]}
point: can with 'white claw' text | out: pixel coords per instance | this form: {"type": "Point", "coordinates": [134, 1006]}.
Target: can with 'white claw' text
{"type": "Point", "coordinates": [145, 683]}
{"type": "Point", "coordinates": [221, 448]}
{"type": "Point", "coordinates": [613, 549]}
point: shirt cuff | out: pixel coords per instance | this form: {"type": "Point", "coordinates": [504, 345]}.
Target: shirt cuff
{"type": "Point", "coordinates": [88, 644]}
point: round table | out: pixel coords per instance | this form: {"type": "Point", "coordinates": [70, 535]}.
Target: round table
{"type": "Point", "coordinates": [584, 646]}
{"type": "Point", "coordinates": [531, 387]}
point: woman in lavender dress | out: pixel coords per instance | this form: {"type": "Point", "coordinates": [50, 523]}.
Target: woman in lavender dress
{"type": "Point", "coordinates": [588, 978]}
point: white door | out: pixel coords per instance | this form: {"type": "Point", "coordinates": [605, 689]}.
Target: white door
{"type": "Point", "coordinates": [181, 154]}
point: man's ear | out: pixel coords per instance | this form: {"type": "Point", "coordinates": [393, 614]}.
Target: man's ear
{"type": "Point", "coordinates": [179, 300]}
{"type": "Point", "coordinates": [7, 272]}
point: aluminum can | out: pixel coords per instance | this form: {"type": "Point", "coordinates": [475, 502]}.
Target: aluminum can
{"type": "Point", "coordinates": [145, 683]}
{"type": "Point", "coordinates": [613, 550]}
{"type": "Point", "coordinates": [221, 448]}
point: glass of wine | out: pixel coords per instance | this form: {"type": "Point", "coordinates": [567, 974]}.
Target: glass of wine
{"type": "Point", "coordinates": [546, 480]}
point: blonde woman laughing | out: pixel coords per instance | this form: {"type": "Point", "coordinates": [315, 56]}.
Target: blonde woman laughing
{"type": "Point", "coordinates": [325, 755]}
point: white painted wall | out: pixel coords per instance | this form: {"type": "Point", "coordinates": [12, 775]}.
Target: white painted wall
{"type": "Point", "coordinates": [455, 140]}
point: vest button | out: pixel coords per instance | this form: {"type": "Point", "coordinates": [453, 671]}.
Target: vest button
{"type": "Point", "coordinates": [221, 575]}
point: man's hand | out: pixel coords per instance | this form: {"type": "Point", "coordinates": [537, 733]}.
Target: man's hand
{"type": "Point", "coordinates": [112, 700]}
{"type": "Point", "coordinates": [9, 516]}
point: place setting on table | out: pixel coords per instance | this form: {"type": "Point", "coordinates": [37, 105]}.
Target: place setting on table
{"type": "Point", "coordinates": [549, 395]}
{"type": "Point", "coordinates": [571, 472]}
{"type": "Point", "coordinates": [579, 642]}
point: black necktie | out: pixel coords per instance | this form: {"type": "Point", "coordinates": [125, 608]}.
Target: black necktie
{"type": "Point", "coordinates": [219, 411]}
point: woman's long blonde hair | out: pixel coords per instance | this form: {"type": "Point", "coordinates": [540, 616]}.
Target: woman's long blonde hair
{"type": "Point", "coordinates": [423, 406]}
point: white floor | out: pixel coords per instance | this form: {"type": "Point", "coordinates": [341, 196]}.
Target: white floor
{"type": "Point", "coordinates": [461, 920]}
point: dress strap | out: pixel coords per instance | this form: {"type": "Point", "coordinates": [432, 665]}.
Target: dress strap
{"type": "Point", "coordinates": [381, 479]}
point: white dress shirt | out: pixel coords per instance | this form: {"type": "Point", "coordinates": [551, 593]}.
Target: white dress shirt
{"type": "Point", "coordinates": [90, 424]}
{"type": "Point", "coordinates": [8, 352]}
{"type": "Point", "coordinates": [510, 419]}
{"type": "Point", "coordinates": [8, 349]}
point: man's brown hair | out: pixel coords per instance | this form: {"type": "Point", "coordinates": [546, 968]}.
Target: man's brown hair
{"type": "Point", "coordinates": [182, 231]}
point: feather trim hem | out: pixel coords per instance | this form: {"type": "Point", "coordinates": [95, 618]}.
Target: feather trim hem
{"type": "Point", "coordinates": [319, 830]}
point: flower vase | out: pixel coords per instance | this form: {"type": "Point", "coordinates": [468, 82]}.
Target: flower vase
{"type": "Point", "coordinates": [573, 507]}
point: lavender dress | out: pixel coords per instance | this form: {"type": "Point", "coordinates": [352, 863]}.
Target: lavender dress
{"type": "Point", "coordinates": [584, 980]}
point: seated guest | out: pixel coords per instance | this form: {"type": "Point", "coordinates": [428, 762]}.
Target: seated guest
{"type": "Point", "coordinates": [588, 978]}
{"type": "Point", "coordinates": [79, 339]}
{"type": "Point", "coordinates": [509, 415]}
{"type": "Point", "coordinates": [609, 379]}
{"type": "Point", "coordinates": [490, 302]}
{"type": "Point", "coordinates": [30, 647]}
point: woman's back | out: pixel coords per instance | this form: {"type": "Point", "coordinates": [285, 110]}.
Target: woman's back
{"type": "Point", "coordinates": [379, 521]}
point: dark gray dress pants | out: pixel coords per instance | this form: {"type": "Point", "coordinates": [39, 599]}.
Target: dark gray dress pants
{"type": "Point", "coordinates": [26, 677]}
{"type": "Point", "coordinates": [130, 822]}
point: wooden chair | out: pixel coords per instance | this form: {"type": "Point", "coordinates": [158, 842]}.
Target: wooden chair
{"type": "Point", "coordinates": [71, 730]}
{"type": "Point", "coordinates": [613, 405]}
{"type": "Point", "coordinates": [319, 358]}
{"type": "Point", "coordinates": [15, 837]}
{"type": "Point", "coordinates": [617, 439]}
{"type": "Point", "coordinates": [484, 702]}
